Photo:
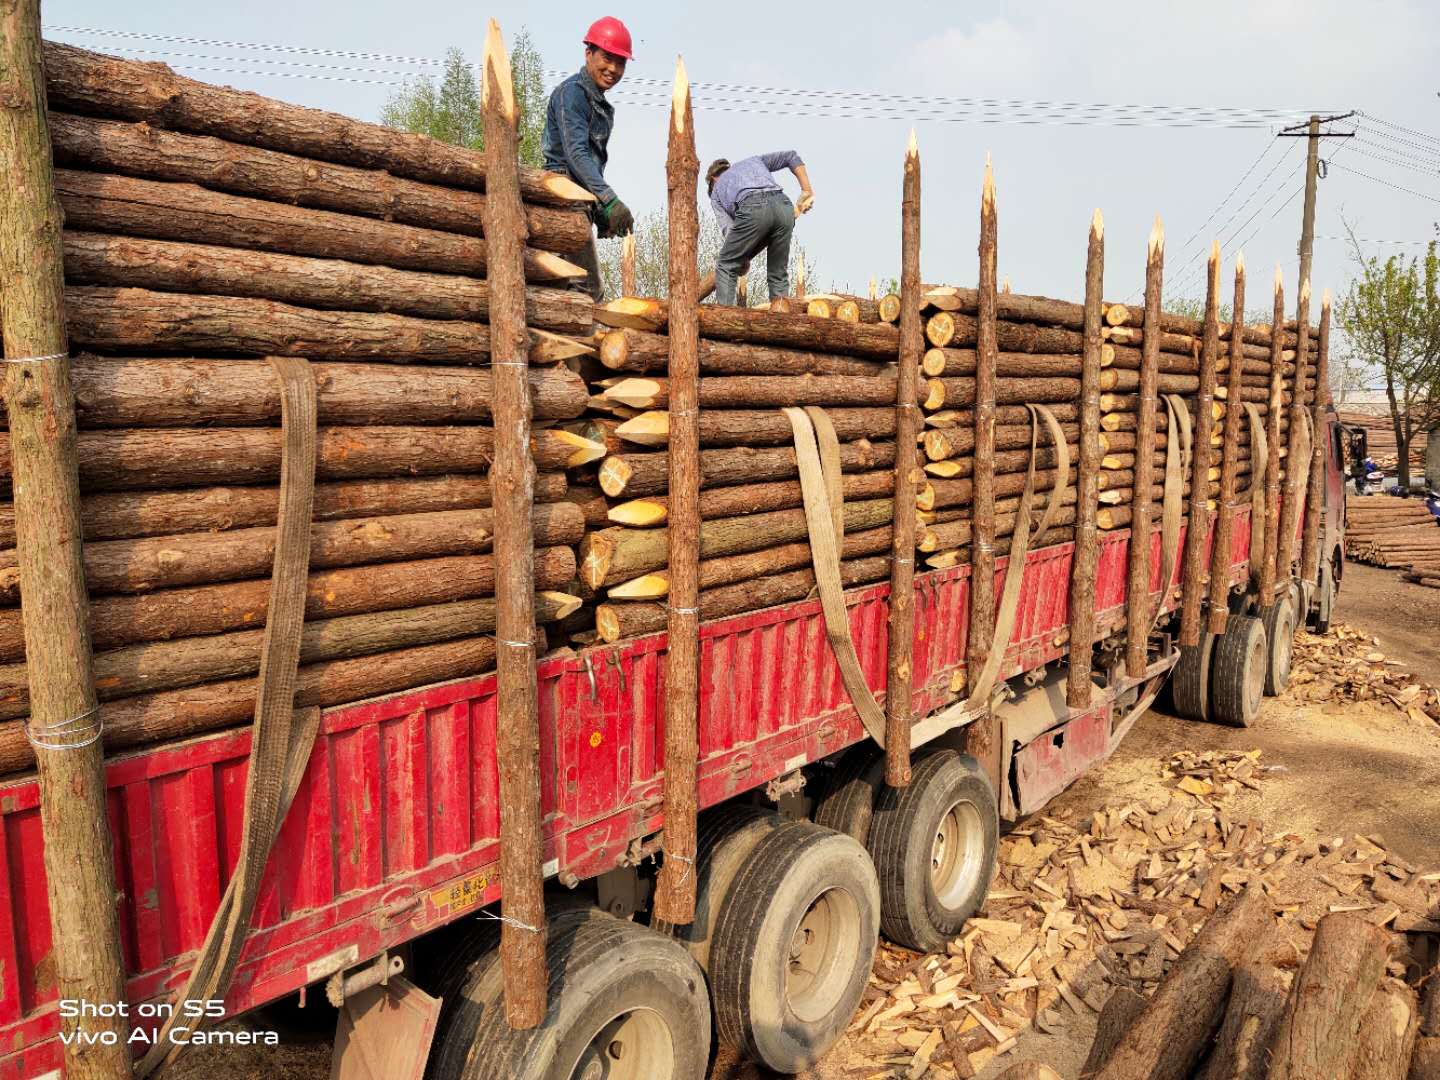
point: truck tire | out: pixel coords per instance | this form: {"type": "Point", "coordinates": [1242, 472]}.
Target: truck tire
{"type": "Point", "coordinates": [934, 846]}
{"type": "Point", "coordinates": [1325, 603]}
{"type": "Point", "coordinates": [625, 1003]}
{"type": "Point", "coordinates": [1190, 683]}
{"type": "Point", "coordinates": [1238, 681]}
{"type": "Point", "coordinates": [1279, 623]}
{"type": "Point", "coordinates": [849, 800]}
{"type": "Point", "coordinates": [727, 836]}
{"type": "Point", "coordinates": [794, 945]}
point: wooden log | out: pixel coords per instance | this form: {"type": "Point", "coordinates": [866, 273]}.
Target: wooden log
{"type": "Point", "coordinates": [167, 266]}
{"type": "Point", "coordinates": [744, 499]}
{"type": "Point", "coordinates": [627, 265]}
{"type": "Point", "coordinates": [610, 556]}
{"type": "Point", "coordinates": [755, 427]}
{"type": "Point", "coordinates": [148, 151]}
{"type": "Point", "coordinates": [86, 82]}
{"type": "Point", "coordinates": [1086, 559]}
{"type": "Point", "coordinates": [762, 391]}
{"type": "Point", "coordinates": [1198, 524]}
{"type": "Point", "coordinates": [640, 351]}
{"type": "Point", "coordinates": [174, 457]}
{"type": "Point", "coordinates": [1252, 1015]}
{"type": "Point", "coordinates": [132, 566]}
{"type": "Point", "coordinates": [102, 202]}
{"type": "Point", "coordinates": [117, 621]}
{"type": "Point", "coordinates": [1315, 497]}
{"type": "Point", "coordinates": [1272, 468]}
{"type": "Point", "coordinates": [1139, 614]}
{"type": "Point", "coordinates": [647, 474]}
{"type": "Point", "coordinates": [1004, 414]}
{"type": "Point", "coordinates": [1121, 1009]}
{"type": "Point", "coordinates": [955, 446]}
{"type": "Point", "coordinates": [1389, 1031]}
{"type": "Point", "coordinates": [134, 392]}
{"type": "Point", "coordinates": [957, 362]}
{"type": "Point", "coordinates": [80, 887]}
{"type": "Point", "coordinates": [1176, 349]}
{"type": "Point", "coordinates": [152, 718]}
{"type": "Point", "coordinates": [1167, 1039]}
{"type": "Point", "coordinates": [985, 395]}
{"type": "Point", "coordinates": [752, 326]}
{"type": "Point", "coordinates": [170, 665]}
{"type": "Point", "coordinates": [1006, 461]}
{"type": "Point", "coordinates": [957, 533]}
{"type": "Point", "coordinates": [140, 320]}
{"type": "Point", "coordinates": [900, 642]}
{"type": "Point", "coordinates": [1230, 472]}
{"type": "Point", "coordinates": [959, 393]}
{"type": "Point", "coordinates": [1298, 475]}
{"type": "Point", "coordinates": [1330, 999]}
{"type": "Point", "coordinates": [615, 622]}
{"type": "Point", "coordinates": [960, 492]}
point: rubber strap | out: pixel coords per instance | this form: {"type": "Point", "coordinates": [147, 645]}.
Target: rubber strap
{"type": "Point", "coordinates": [1020, 547]}
{"type": "Point", "coordinates": [1259, 451]}
{"type": "Point", "coordinates": [825, 521]}
{"type": "Point", "coordinates": [1172, 504]}
{"type": "Point", "coordinates": [280, 739]}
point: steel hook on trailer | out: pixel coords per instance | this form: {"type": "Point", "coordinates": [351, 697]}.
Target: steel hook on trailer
{"type": "Point", "coordinates": [590, 671]}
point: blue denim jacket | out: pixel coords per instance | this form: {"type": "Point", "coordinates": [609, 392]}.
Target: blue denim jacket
{"type": "Point", "coordinates": [578, 122]}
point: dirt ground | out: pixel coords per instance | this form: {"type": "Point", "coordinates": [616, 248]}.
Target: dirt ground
{"type": "Point", "coordinates": [1361, 768]}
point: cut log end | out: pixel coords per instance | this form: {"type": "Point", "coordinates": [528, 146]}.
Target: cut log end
{"type": "Point", "coordinates": [583, 450]}
{"type": "Point", "coordinates": [615, 474]}
{"type": "Point", "coordinates": [647, 587]}
{"type": "Point", "coordinates": [641, 512]}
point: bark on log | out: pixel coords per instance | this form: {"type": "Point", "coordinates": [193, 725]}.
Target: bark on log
{"type": "Point", "coordinates": [744, 499]}
{"type": "Point", "coordinates": [167, 266]}
{"type": "Point", "coordinates": [1121, 1009]}
{"type": "Point", "coordinates": [129, 392]}
{"type": "Point", "coordinates": [642, 352]}
{"type": "Point", "coordinates": [961, 492]}
{"type": "Point", "coordinates": [958, 443]}
{"type": "Point", "coordinates": [1252, 1015]}
{"type": "Point", "coordinates": [1297, 476]}
{"type": "Point", "coordinates": [1315, 497]}
{"type": "Point", "coordinates": [1197, 523]}
{"type": "Point", "coordinates": [1272, 468]}
{"type": "Point", "coordinates": [958, 393]}
{"type": "Point", "coordinates": [129, 515]}
{"type": "Point", "coordinates": [131, 566]}
{"type": "Point", "coordinates": [1388, 1034]}
{"type": "Point", "coordinates": [611, 556]}
{"type": "Point", "coordinates": [1329, 1000]}
{"type": "Point", "coordinates": [647, 474]}
{"type": "Point", "coordinates": [751, 326]}
{"type": "Point", "coordinates": [1084, 565]}
{"type": "Point", "coordinates": [152, 153]}
{"type": "Point", "coordinates": [957, 362]}
{"type": "Point", "coordinates": [1139, 616]}
{"type": "Point", "coordinates": [756, 427]}
{"type": "Point", "coordinates": [128, 460]}
{"type": "Point", "coordinates": [762, 391]}
{"type": "Point", "coordinates": [1229, 475]}
{"type": "Point", "coordinates": [87, 82]}
{"type": "Point", "coordinates": [122, 204]}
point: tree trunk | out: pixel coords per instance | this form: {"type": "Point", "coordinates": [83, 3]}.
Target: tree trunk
{"type": "Point", "coordinates": [647, 474]}
{"type": "Point", "coordinates": [1120, 1011]}
{"type": "Point", "coordinates": [128, 515]}
{"type": "Point", "coordinates": [153, 153]}
{"type": "Point", "coordinates": [1388, 1033]}
{"type": "Point", "coordinates": [1229, 475]}
{"type": "Point", "coordinates": [125, 261]}
{"type": "Point", "coordinates": [1297, 473]}
{"type": "Point", "coordinates": [762, 391]}
{"type": "Point", "coordinates": [166, 562]}
{"type": "Point", "coordinates": [642, 352]}
{"type": "Point", "coordinates": [960, 393]}
{"type": "Point", "coordinates": [958, 443]}
{"type": "Point", "coordinates": [1329, 1000]}
{"type": "Point", "coordinates": [1252, 1015]}
{"type": "Point", "coordinates": [1315, 498]}
{"type": "Point", "coordinates": [756, 427]}
{"type": "Point", "coordinates": [87, 82]}
{"type": "Point", "coordinates": [175, 457]}
{"type": "Point", "coordinates": [948, 329]}
{"type": "Point", "coordinates": [1197, 521]}
{"type": "Point", "coordinates": [1139, 615]}
{"type": "Point", "coordinates": [1266, 584]}
{"type": "Point", "coordinates": [80, 887]}
{"type": "Point", "coordinates": [727, 502]}
{"type": "Point", "coordinates": [751, 326]}
{"type": "Point", "coordinates": [1085, 563]}
{"type": "Point", "coordinates": [953, 363]}
{"type": "Point", "coordinates": [611, 556]}
{"type": "Point", "coordinates": [961, 492]}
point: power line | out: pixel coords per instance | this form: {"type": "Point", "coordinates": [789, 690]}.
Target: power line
{"type": "Point", "coordinates": [1431, 171]}
{"type": "Point", "coordinates": [1403, 155]}
{"type": "Point", "coordinates": [254, 45]}
{"type": "Point", "coordinates": [1370, 240]}
{"type": "Point", "coordinates": [1400, 127]}
{"type": "Point", "coordinates": [1387, 183]}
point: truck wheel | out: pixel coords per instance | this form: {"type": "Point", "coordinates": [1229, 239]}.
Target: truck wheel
{"type": "Point", "coordinates": [794, 945]}
{"type": "Point", "coordinates": [849, 801]}
{"type": "Point", "coordinates": [1241, 662]}
{"type": "Point", "coordinates": [625, 1003]}
{"type": "Point", "coordinates": [727, 836]}
{"type": "Point", "coordinates": [1279, 623]}
{"type": "Point", "coordinates": [1326, 602]}
{"type": "Point", "coordinates": [934, 846]}
{"type": "Point", "coordinates": [1190, 684]}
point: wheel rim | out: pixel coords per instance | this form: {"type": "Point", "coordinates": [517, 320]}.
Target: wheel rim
{"type": "Point", "coordinates": [957, 854]}
{"type": "Point", "coordinates": [823, 951]}
{"type": "Point", "coordinates": [634, 1045]}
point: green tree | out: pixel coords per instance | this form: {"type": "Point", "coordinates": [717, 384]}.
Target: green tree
{"type": "Point", "coordinates": [450, 111]}
{"type": "Point", "coordinates": [1391, 318]}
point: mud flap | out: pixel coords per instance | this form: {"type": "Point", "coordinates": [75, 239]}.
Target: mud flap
{"type": "Point", "coordinates": [384, 1033]}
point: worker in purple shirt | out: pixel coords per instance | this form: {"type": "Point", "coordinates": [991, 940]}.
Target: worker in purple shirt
{"type": "Point", "coordinates": [755, 215]}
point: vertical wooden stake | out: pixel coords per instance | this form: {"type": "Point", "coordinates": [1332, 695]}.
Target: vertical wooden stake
{"type": "Point", "coordinates": [1192, 578]}
{"type": "Point", "coordinates": [874, 290]}
{"type": "Point", "coordinates": [982, 503]}
{"type": "Point", "coordinates": [64, 727]}
{"type": "Point", "coordinates": [675, 891]}
{"type": "Point", "coordinates": [1086, 558]}
{"type": "Point", "coordinates": [1297, 473]}
{"type": "Point", "coordinates": [512, 479]}
{"type": "Point", "coordinates": [627, 265]}
{"type": "Point", "coordinates": [1229, 465]}
{"type": "Point", "coordinates": [800, 279]}
{"type": "Point", "coordinates": [1310, 556]}
{"type": "Point", "coordinates": [1272, 438]}
{"type": "Point", "coordinates": [1139, 615]}
{"type": "Point", "coordinates": [907, 465]}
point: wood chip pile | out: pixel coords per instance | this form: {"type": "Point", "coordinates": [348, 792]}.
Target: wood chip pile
{"type": "Point", "coordinates": [1402, 533]}
{"type": "Point", "coordinates": [1346, 665]}
{"type": "Point", "coordinates": [1103, 915]}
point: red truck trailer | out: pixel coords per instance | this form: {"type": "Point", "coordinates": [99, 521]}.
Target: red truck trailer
{"type": "Point", "coordinates": [388, 859]}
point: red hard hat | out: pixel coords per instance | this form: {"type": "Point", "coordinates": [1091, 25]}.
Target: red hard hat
{"type": "Point", "coordinates": [610, 34]}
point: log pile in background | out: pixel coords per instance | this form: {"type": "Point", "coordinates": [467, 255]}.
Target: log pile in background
{"type": "Point", "coordinates": [1401, 533]}
{"type": "Point", "coordinates": [207, 228]}
{"type": "Point", "coordinates": [1380, 442]}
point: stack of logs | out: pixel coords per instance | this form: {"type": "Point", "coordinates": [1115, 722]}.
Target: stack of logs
{"type": "Point", "coordinates": [838, 353]}
{"type": "Point", "coordinates": [1402, 533]}
{"type": "Point", "coordinates": [206, 229]}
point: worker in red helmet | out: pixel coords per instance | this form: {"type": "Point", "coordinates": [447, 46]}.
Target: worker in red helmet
{"type": "Point", "coordinates": [578, 122]}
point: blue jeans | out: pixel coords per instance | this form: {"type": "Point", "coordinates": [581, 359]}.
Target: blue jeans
{"type": "Point", "coordinates": [763, 222]}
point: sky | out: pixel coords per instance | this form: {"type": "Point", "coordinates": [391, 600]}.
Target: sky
{"type": "Point", "coordinates": [1273, 55]}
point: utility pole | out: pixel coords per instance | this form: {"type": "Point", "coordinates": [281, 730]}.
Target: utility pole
{"type": "Point", "coordinates": [1311, 131]}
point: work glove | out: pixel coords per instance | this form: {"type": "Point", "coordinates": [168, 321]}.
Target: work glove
{"type": "Point", "coordinates": [615, 218]}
